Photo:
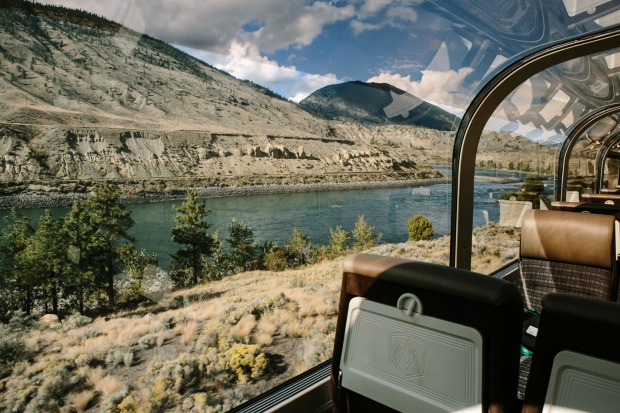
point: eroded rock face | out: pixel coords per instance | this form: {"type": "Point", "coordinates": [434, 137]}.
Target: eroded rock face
{"type": "Point", "coordinates": [92, 154]}
{"type": "Point", "coordinates": [17, 160]}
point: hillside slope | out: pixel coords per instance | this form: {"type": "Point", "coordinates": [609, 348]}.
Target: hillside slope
{"type": "Point", "coordinates": [377, 103]}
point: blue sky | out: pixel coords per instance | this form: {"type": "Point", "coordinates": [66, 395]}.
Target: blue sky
{"type": "Point", "coordinates": [295, 47]}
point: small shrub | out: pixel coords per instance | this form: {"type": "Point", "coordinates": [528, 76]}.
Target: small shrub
{"type": "Point", "coordinates": [297, 283]}
{"type": "Point", "coordinates": [74, 321]}
{"type": "Point", "coordinates": [420, 228]}
{"type": "Point", "coordinates": [245, 361]}
{"type": "Point", "coordinates": [12, 349]}
{"type": "Point", "coordinates": [128, 358]}
{"type": "Point", "coordinates": [148, 341]}
{"type": "Point", "coordinates": [42, 392]}
{"type": "Point", "coordinates": [114, 358]}
{"type": "Point", "coordinates": [275, 260]}
{"type": "Point", "coordinates": [268, 306]}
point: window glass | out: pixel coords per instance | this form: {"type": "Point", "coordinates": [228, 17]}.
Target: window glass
{"type": "Point", "coordinates": [180, 180]}
{"type": "Point", "coordinates": [521, 150]}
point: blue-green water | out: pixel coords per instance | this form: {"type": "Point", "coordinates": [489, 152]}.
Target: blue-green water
{"type": "Point", "coordinates": [272, 217]}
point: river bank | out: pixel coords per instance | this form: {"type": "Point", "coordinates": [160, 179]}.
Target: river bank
{"type": "Point", "coordinates": [41, 198]}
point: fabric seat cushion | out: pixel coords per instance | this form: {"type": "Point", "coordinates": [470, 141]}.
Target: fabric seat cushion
{"type": "Point", "coordinates": [539, 278]}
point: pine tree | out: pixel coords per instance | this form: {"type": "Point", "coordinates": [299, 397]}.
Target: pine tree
{"type": "Point", "coordinates": [112, 223]}
{"type": "Point", "coordinates": [191, 232]}
{"type": "Point", "coordinates": [14, 281]}
{"type": "Point", "coordinates": [363, 235]}
{"type": "Point", "coordinates": [242, 247]}
{"type": "Point", "coordinates": [82, 254]}
{"type": "Point", "coordinates": [219, 264]}
{"type": "Point", "coordinates": [339, 242]}
{"type": "Point", "coordinates": [45, 256]}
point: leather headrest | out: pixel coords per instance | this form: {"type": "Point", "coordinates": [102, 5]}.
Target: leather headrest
{"type": "Point", "coordinates": [434, 277]}
{"type": "Point", "coordinates": [570, 237]}
{"type": "Point", "coordinates": [613, 199]}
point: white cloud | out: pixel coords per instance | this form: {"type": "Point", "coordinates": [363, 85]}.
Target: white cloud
{"type": "Point", "coordinates": [216, 24]}
{"type": "Point", "coordinates": [444, 88]}
{"type": "Point", "coordinates": [299, 27]}
{"type": "Point", "coordinates": [244, 62]}
{"type": "Point", "coordinates": [371, 7]}
{"type": "Point", "coordinates": [403, 13]}
{"type": "Point", "coordinates": [377, 14]}
{"type": "Point", "coordinates": [360, 27]}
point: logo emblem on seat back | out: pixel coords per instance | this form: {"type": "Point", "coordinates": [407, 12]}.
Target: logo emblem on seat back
{"type": "Point", "coordinates": [407, 354]}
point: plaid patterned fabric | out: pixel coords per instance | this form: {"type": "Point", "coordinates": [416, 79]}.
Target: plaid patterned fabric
{"type": "Point", "coordinates": [542, 277]}
{"type": "Point", "coordinates": [524, 372]}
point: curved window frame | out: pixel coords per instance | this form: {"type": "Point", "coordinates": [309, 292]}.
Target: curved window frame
{"type": "Point", "coordinates": [572, 136]}
{"type": "Point", "coordinates": [480, 111]}
{"type": "Point", "coordinates": [601, 156]}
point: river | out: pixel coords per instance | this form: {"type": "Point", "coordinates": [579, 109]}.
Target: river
{"type": "Point", "coordinates": [272, 217]}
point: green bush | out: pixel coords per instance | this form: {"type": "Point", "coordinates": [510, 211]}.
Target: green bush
{"type": "Point", "coordinates": [275, 260]}
{"type": "Point", "coordinates": [420, 228]}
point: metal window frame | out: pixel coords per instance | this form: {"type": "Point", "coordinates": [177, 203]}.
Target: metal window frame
{"type": "Point", "coordinates": [601, 156]}
{"type": "Point", "coordinates": [480, 111]}
{"type": "Point", "coordinates": [572, 136]}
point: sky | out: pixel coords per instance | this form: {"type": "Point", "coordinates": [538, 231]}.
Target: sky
{"type": "Point", "coordinates": [295, 47]}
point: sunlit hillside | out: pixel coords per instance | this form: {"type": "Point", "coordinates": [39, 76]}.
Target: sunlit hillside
{"type": "Point", "coordinates": [207, 348]}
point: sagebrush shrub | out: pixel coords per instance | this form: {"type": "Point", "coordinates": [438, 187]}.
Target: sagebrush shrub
{"type": "Point", "coordinates": [12, 348]}
{"type": "Point", "coordinates": [245, 360]}
{"type": "Point", "coordinates": [148, 341]}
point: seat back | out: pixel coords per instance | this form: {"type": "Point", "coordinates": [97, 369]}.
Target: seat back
{"type": "Point", "coordinates": [606, 198]}
{"type": "Point", "coordinates": [576, 364]}
{"type": "Point", "coordinates": [567, 252]}
{"type": "Point", "coordinates": [379, 345]}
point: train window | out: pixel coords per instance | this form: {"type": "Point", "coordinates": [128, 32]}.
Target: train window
{"type": "Point", "coordinates": [535, 124]}
{"type": "Point", "coordinates": [179, 183]}
{"type": "Point", "coordinates": [185, 181]}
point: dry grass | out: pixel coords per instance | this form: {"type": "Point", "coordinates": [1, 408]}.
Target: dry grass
{"type": "Point", "coordinates": [293, 329]}
{"type": "Point", "coordinates": [108, 385]}
{"type": "Point", "coordinates": [265, 330]}
{"type": "Point", "coordinates": [291, 314]}
{"type": "Point", "coordinates": [243, 328]}
{"type": "Point", "coordinates": [188, 331]}
{"type": "Point", "coordinates": [92, 376]}
{"type": "Point", "coordinates": [78, 402]}
{"type": "Point", "coordinates": [162, 336]}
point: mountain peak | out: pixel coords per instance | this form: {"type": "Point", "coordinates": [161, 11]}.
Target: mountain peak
{"type": "Point", "coordinates": [376, 103]}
